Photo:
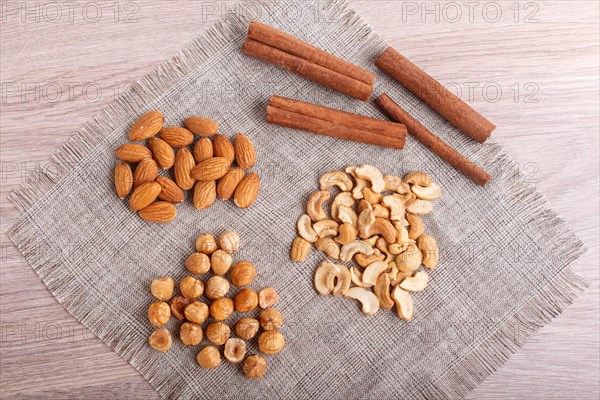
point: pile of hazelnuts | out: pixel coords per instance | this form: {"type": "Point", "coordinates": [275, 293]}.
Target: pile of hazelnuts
{"type": "Point", "coordinates": [215, 309]}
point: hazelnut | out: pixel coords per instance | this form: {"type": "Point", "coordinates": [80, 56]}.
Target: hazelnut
{"type": "Point", "coordinates": [267, 297]}
{"type": "Point", "coordinates": [190, 334]}
{"type": "Point", "coordinates": [159, 313]}
{"type": "Point", "coordinates": [209, 357]}
{"type": "Point", "coordinates": [230, 242]}
{"type": "Point", "coordinates": [178, 305]}
{"type": "Point", "coordinates": [235, 350]}
{"type": "Point", "coordinates": [206, 244]}
{"type": "Point", "coordinates": [216, 287]}
{"type": "Point", "coordinates": [270, 319]}
{"type": "Point", "coordinates": [221, 309]}
{"type": "Point", "coordinates": [221, 262]}
{"type": "Point", "coordinates": [247, 328]}
{"type": "Point", "coordinates": [246, 300]}
{"type": "Point", "coordinates": [196, 312]}
{"type": "Point", "coordinates": [271, 342]}
{"type": "Point", "coordinates": [217, 332]}
{"type": "Point", "coordinates": [243, 273]}
{"type": "Point", "coordinates": [191, 288]}
{"type": "Point", "coordinates": [162, 288]}
{"type": "Point", "coordinates": [160, 340]}
{"type": "Point", "coordinates": [198, 263]}
{"type": "Point", "coordinates": [254, 366]}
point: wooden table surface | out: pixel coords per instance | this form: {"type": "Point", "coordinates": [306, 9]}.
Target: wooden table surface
{"type": "Point", "coordinates": [531, 67]}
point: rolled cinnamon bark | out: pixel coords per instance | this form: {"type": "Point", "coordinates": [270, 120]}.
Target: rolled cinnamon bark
{"type": "Point", "coordinates": [435, 95]}
{"type": "Point", "coordinates": [437, 145]}
{"type": "Point", "coordinates": [294, 46]}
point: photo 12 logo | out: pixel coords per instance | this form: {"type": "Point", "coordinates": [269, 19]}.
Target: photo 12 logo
{"type": "Point", "coordinates": [69, 12]}
{"type": "Point", "coordinates": [471, 11]}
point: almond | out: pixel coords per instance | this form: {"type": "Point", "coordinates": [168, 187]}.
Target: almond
{"type": "Point", "coordinates": [244, 151]}
{"type": "Point", "coordinates": [228, 183]}
{"type": "Point", "coordinates": [223, 148]}
{"type": "Point", "coordinates": [211, 169]}
{"type": "Point", "coordinates": [203, 150]}
{"type": "Point", "coordinates": [147, 126]}
{"type": "Point", "coordinates": [184, 163]}
{"type": "Point", "coordinates": [144, 195]}
{"type": "Point", "coordinates": [201, 126]}
{"type": "Point", "coordinates": [247, 191]}
{"type": "Point", "coordinates": [161, 211]}
{"type": "Point", "coordinates": [170, 192]}
{"type": "Point", "coordinates": [205, 194]}
{"type": "Point", "coordinates": [132, 153]}
{"type": "Point", "coordinates": [146, 171]}
{"type": "Point", "coordinates": [123, 179]}
{"type": "Point", "coordinates": [176, 136]}
{"type": "Point", "coordinates": [162, 153]}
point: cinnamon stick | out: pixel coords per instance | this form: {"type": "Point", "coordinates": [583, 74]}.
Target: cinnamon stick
{"type": "Point", "coordinates": [312, 118]}
{"type": "Point", "coordinates": [437, 145]}
{"type": "Point", "coordinates": [456, 111]}
{"type": "Point", "coordinates": [296, 47]}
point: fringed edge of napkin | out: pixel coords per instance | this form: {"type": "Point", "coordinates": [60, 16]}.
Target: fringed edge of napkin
{"type": "Point", "coordinates": [455, 383]}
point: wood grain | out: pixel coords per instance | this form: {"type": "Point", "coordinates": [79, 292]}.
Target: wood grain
{"type": "Point", "coordinates": [550, 127]}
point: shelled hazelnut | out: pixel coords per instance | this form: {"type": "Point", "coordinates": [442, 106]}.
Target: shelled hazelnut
{"type": "Point", "coordinates": [190, 334]}
{"type": "Point", "coordinates": [235, 350]}
{"type": "Point", "coordinates": [178, 305]}
{"type": "Point", "coordinates": [230, 242]}
{"type": "Point", "coordinates": [197, 263]}
{"type": "Point", "coordinates": [206, 244]}
{"type": "Point", "coordinates": [254, 366]}
{"type": "Point", "coordinates": [267, 297]}
{"type": "Point", "coordinates": [160, 340]}
{"type": "Point", "coordinates": [209, 357]}
{"type": "Point", "coordinates": [216, 287]}
{"type": "Point", "coordinates": [162, 288]}
{"type": "Point", "coordinates": [191, 288]}
{"type": "Point", "coordinates": [242, 273]}
{"type": "Point", "coordinates": [221, 309]}
{"type": "Point", "coordinates": [246, 300]}
{"type": "Point", "coordinates": [218, 332]}
{"type": "Point", "coordinates": [247, 328]}
{"type": "Point", "coordinates": [159, 313]}
{"type": "Point", "coordinates": [270, 319]}
{"type": "Point", "coordinates": [196, 312]}
{"type": "Point", "coordinates": [271, 342]}
{"type": "Point", "coordinates": [221, 262]}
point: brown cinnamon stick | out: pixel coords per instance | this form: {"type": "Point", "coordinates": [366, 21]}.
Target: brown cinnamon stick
{"type": "Point", "coordinates": [456, 111]}
{"type": "Point", "coordinates": [294, 46]}
{"type": "Point", "coordinates": [437, 145]}
{"type": "Point", "coordinates": [311, 118]}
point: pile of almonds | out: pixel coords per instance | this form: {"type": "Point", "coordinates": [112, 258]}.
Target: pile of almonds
{"type": "Point", "coordinates": [216, 308]}
{"type": "Point", "coordinates": [375, 221]}
{"type": "Point", "coordinates": [208, 170]}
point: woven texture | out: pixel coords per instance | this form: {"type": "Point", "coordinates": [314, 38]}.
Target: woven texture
{"type": "Point", "coordinates": [504, 255]}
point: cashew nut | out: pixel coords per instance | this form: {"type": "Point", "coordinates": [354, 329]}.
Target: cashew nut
{"type": "Point", "coordinates": [381, 211]}
{"type": "Point", "coordinates": [382, 291]}
{"type": "Point", "coordinates": [357, 193]}
{"type": "Point", "coordinates": [325, 277]}
{"type": "Point", "coordinates": [408, 199]}
{"type": "Point", "coordinates": [342, 199]}
{"type": "Point", "coordinates": [356, 277]}
{"type": "Point", "coordinates": [404, 303]}
{"type": "Point", "coordinates": [372, 197]}
{"type": "Point", "coordinates": [329, 247]}
{"type": "Point", "coordinates": [418, 178]}
{"type": "Point", "coordinates": [402, 242]}
{"type": "Point", "coordinates": [365, 261]}
{"type": "Point", "coordinates": [372, 240]}
{"type": "Point", "coordinates": [430, 251]}
{"type": "Point", "coordinates": [367, 299]}
{"type": "Point", "coordinates": [393, 273]}
{"type": "Point", "coordinates": [381, 227]}
{"type": "Point", "coordinates": [410, 260]}
{"type": "Point", "coordinates": [417, 283]}
{"type": "Point", "coordinates": [306, 230]}
{"type": "Point", "coordinates": [314, 206]}
{"type": "Point", "coordinates": [373, 271]}
{"type": "Point", "coordinates": [383, 247]}
{"type": "Point", "coordinates": [347, 234]}
{"type": "Point", "coordinates": [396, 207]}
{"type": "Point", "coordinates": [431, 192]}
{"type": "Point", "coordinates": [364, 205]}
{"type": "Point", "coordinates": [373, 175]}
{"type": "Point", "coordinates": [347, 215]}
{"type": "Point", "coordinates": [395, 183]}
{"type": "Point", "coordinates": [416, 227]}
{"type": "Point", "coordinates": [343, 281]}
{"type": "Point", "coordinates": [420, 207]}
{"type": "Point", "coordinates": [355, 247]}
{"type": "Point", "coordinates": [327, 227]}
{"type": "Point", "coordinates": [300, 250]}
{"type": "Point", "coordinates": [336, 178]}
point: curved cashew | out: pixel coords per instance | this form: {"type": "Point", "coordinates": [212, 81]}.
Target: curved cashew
{"type": "Point", "coordinates": [306, 230]}
{"type": "Point", "coordinates": [373, 271]}
{"type": "Point", "coordinates": [347, 234]}
{"type": "Point", "coordinates": [363, 205]}
{"type": "Point", "coordinates": [352, 248]}
{"type": "Point", "coordinates": [404, 303]}
{"type": "Point", "coordinates": [393, 273]}
{"type": "Point", "coordinates": [396, 207]}
{"type": "Point", "coordinates": [417, 283]}
{"type": "Point", "coordinates": [356, 277]}
{"type": "Point", "coordinates": [369, 302]}
{"type": "Point", "coordinates": [329, 247]}
{"type": "Point", "coordinates": [416, 227]}
{"type": "Point", "coordinates": [402, 242]}
{"type": "Point", "coordinates": [325, 277]}
{"type": "Point", "coordinates": [347, 215]}
{"type": "Point", "coordinates": [327, 227]}
{"type": "Point", "coordinates": [420, 207]}
{"type": "Point", "coordinates": [418, 178]}
{"type": "Point", "coordinates": [430, 251]}
{"type": "Point", "coordinates": [430, 192]}
{"type": "Point", "coordinates": [336, 178]}
{"type": "Point", "coordinates": [365, 261]}
{"type": "Point", "coordinates": [351, 170]}
{"type": "Point", "coordinates": [382, 227]}
{"type": "Point", "coordinates": [383, 247]}
{"type": "Point", "coordinates": [382, 291]}
{"type": "Point", "coordinates": [365, 220]}
{"type": "Point", "coordinates": [372, 240]}
{"type": "Point", "coordinates": [357, 193]}
{"type": "Point", "coordinates": [373, 175]}
{"type": "Point", "coordinates": [314, 206]}
{"type": "Point", "coordinates": [408, 199]}
{"type": "Point", "coordinates": [372, 197]}
{"type": "Point", "coordinates": [410, 260]}
{"type": "Point", "coordinates": [381, 211]}
{"type": "Point", "coordinates": [395, 184]}
{"type": "Point", "coordinates": [343, 281]}
{"type": "Point", "coordinates": [342, 199]}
